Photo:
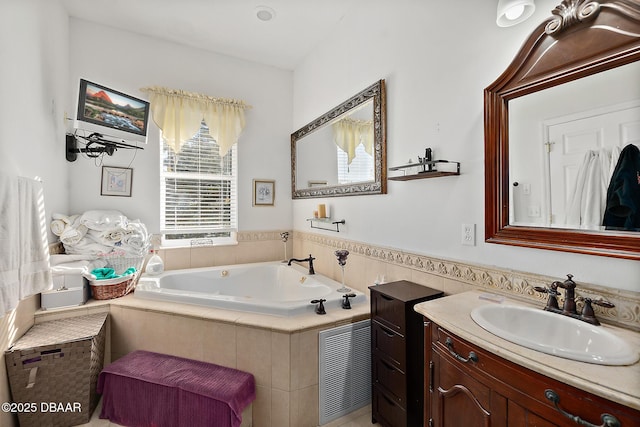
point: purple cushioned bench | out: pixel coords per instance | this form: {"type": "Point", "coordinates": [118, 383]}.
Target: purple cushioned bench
{"type": "Point", "coordinates": [152, 389]}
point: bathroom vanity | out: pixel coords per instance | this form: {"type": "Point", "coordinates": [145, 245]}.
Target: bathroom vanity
{"type": "Point", "coordinates": [475, 378]}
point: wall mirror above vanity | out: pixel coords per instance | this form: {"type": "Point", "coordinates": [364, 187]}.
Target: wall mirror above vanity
{"type": "Point", "coordinates": [343, 152]}
{"type": "Point", "coordinates": [569, 100]}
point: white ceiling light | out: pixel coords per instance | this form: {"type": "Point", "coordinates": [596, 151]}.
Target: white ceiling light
{"type": "Point", "coordinates": [265, 13]}
{"type": "Point", "coordinates": [512, 12]}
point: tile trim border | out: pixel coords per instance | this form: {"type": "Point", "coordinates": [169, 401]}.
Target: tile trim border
{"type": "Point", "coordinates": [259, 236]}
{"type": "Point", "coordinates": [511, 283]}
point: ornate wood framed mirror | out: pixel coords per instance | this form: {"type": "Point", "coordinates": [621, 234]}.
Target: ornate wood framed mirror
{"type": "Point", "coordinates": [582, 39]}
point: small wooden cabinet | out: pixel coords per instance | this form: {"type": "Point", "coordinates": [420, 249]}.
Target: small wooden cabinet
{"type": "Point", "coordinates": [397, 349]}
{"type": "Point", "coordinates": [471, 387]}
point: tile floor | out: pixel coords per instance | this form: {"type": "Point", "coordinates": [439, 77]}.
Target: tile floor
{"type": "Point", "coordinates": [359, 418]}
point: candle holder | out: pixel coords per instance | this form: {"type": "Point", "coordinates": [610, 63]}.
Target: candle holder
{"type": "Point", "coordinates": [342, 255]}
{"type": "Point", "coordinates": [284, 236]}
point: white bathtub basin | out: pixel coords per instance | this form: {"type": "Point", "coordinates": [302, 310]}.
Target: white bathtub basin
{"type": "Point", "coordinates": [555, 334]}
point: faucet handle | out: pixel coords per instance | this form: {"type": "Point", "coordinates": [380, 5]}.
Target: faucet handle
{"type": "Point", "coordinates": [346, 304]}
{"type": "Point", "coordinates": [552, 301]}
{"type": "Point", "coordinates": [601, 302]}
{"type": "Point", "coordinates": [320, 307]}
{"type": "Point", "coordinates": [553, 291]}
{"type": "Point", "coordinates": [587, 311]}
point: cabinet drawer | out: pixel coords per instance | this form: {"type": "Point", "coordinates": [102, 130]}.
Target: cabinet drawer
{"type": "Point", "coordinates": [389, 345]}
{"type": "Point", "coordinates": [390, 378]}
{"type": "Point", "coordinates": [388, 311]}
{"type": "Point", "coordinates": [386, 410]}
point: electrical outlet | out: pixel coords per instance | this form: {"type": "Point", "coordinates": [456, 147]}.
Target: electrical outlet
{"type": "Point", "coordinates": [469, 234]}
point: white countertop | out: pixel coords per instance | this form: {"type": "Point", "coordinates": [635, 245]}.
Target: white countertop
{"type": "Point", "coordinates": [617, 383]}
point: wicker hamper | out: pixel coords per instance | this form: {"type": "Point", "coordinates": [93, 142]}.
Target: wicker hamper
{"type": "Point", "coordinates": [53, 371]}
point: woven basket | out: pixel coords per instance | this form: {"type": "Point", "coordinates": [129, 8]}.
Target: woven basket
{"type": "Point", "coordinates": [120, 286]}
{"type": "Point", "coordinates": [121, 263]}
{"type": "Point", "coordinates": [113, 288]}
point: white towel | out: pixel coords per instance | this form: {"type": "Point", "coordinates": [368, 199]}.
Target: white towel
{"type": "Point", "coordinates": [34, 272]}
{"type": "Point", "coordinates": [74, 267]}
{"type": "Point", "coordinates": [103, 220]}
{"type": "Point", "coordinates": [9, 243]}
{"type": "Point", "coordinates": [57, 259]}
{"type": "Point", "coordinates": [87, 247]}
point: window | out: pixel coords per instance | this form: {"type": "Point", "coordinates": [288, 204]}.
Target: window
{"type": "Point", "coordinates": [360, 169]}
{"type": "Point", "coordinates": [198, 192]}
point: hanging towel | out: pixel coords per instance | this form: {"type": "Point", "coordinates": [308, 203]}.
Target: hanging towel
{"type": "Point", "coordinates": [623, 195]}
{"type": "Point", "coordinates": [35, 275]}
{"type": "Point", "coordinates": [24, 252]}
{"type": "Point", "coordinates": [9, 242]}
{"type": "Point", "coordinates": [587, 204]}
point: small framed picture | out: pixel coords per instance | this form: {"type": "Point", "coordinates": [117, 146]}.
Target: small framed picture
{"type": "Point", "coordinates": [264, 192]}
{"type": "Point", "coordinates": [116, 181]}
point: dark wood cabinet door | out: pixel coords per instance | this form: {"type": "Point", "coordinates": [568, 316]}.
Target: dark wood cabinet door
{"type": "Point", "coordinates": [460, 400]}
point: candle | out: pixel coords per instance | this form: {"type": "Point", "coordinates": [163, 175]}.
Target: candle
{"type": "Point", "coordinates": [322, 211]}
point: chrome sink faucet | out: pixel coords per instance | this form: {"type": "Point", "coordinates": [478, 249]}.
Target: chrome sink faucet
{"type": "Point", "coordinates": [310, 260]}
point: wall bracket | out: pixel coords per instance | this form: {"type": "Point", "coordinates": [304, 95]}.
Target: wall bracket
{"type": "Point", "coordinates": [95, 146]}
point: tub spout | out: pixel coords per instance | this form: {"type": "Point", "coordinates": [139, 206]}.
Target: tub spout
{"type": "Point", "coordinates": [310, 260]}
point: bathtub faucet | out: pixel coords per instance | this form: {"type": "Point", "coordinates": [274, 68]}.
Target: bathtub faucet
{"type": "Point", "coordinates": [310, 260]}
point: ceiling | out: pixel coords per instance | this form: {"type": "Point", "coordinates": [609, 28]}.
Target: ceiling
{"type": "Point", "coordinates": [230, 27]}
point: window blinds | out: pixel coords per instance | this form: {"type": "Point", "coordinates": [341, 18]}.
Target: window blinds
{"type": "Point", "coordinates": [198, 187]}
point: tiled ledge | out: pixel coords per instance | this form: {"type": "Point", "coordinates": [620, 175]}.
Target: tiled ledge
{"type": "Point", "coordinates": [514, 284]}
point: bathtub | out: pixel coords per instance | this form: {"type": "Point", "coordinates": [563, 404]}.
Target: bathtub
{"type": "Point", "coordinates": [269, 287]}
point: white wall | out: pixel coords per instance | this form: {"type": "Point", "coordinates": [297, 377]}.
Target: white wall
{"type": "Point", "coordinates": [34, 53]}
{"type": "Point", "coordinates": [127, 62]}
{"type": "Point", "coordinates": [436, 61]}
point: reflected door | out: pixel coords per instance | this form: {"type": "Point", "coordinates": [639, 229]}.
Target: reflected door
{"type": "Point", "coordinates": [569, 140]}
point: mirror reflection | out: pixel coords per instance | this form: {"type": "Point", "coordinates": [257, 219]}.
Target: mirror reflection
{"type": "Point", "coordinates": [573, 153]}
{"type": "Point", "coordinates": [339, 153]}
{"type": "Point", "coordinates": [343, 152]}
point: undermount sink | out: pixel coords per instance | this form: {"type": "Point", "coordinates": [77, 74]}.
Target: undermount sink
{"type": "Point", "coordinates": [555, 334]}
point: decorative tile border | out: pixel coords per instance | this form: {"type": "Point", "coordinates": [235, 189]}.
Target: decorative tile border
{"type": "Point", "coordinates": [515, 284]}
{"type": "Point", "coordinates": [258, 236]}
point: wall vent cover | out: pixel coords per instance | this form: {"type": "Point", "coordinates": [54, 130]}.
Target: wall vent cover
{"type": "Point", "coordinates": [344, 370]}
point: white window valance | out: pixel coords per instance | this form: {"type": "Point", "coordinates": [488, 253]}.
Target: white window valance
{"type": "Point", "coordinates": [348, 133]}
{"type": "Point", "coordinates": [179, 115]}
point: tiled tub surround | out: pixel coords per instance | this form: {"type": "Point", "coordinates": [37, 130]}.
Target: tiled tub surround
{"type": "Point", "coordinates": [367, 262]}
{"type": "Point", "coordinates": [281, 352]}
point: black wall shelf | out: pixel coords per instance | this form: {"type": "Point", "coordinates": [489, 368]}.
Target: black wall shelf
{"type": "Point", "coordinates": [428, 170]}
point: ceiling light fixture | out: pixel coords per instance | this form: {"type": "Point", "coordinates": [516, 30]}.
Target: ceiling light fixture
{"type": "Point", "coordinates": [512, 12]}
{"type": "Point", "coordinates": [265, 13]}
